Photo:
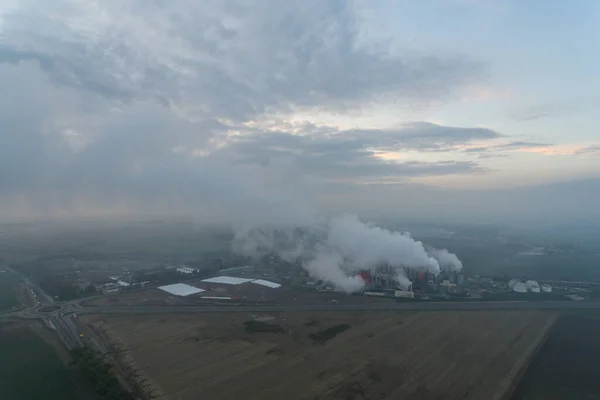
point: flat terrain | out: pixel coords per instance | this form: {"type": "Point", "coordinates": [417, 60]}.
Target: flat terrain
{"type": "Point", "coordinates": [10, 285]}
{"type": "Point", "coordinates": [30, 369]}
{"type": "Point", "coordinates": [328, 355]}
{"type": "Point", "coordinates": [245, 292]}
{"type": "Point", "coordinates": [567, 365]}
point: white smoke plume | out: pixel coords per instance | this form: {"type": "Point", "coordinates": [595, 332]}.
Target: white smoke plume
{"type": "Point", "coordinates": [402, 279]}
{"type": "Point", "coordinates": [448, 261]}
{"type": "Point", "coordinates": [336, 250]}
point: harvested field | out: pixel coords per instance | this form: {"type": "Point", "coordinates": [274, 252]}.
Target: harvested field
{"type": "Point", "coordinates": [329, 355]}
{"type": "Point", "coordinates": [149, 297]}
{"type": "Point", "coordinates": [566, 366]}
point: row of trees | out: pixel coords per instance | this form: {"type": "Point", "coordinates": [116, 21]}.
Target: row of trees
{"type": "Point", "coordinates": [99, 374]}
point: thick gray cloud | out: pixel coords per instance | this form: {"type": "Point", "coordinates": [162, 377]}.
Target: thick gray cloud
{"type": "Point", "coordinates": [107, 105]}
{"type": "Point", "coordinates": [230, 58]}
{"type": "Point", "coordinates": [353, 154]}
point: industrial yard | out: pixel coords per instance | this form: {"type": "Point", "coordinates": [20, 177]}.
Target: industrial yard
{"type": "Point", "coordinates": [244, 292]}
{"type": "Point", "coordinates": [327, 355]}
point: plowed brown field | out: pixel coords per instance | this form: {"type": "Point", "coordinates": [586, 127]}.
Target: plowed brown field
{"type": "Point", "coordinates": [329, 355]}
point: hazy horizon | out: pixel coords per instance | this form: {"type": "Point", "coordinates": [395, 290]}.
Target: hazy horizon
{"type": "Point", "coordinates": [230, 112]}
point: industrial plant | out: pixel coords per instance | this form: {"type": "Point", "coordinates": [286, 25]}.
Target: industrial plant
{"type": "Point", "coordinates": [406, 282]}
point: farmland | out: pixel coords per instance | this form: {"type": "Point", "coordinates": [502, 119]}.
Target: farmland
{"type": "Point", "coordinates": [30, 368]}
{"type": "Point", "coordinates": [328, 355]}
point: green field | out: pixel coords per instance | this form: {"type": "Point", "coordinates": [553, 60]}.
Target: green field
{"type": "Point", "coordinates": [9, 284]}
{"type": "Point", "coordinates": [30, 369]}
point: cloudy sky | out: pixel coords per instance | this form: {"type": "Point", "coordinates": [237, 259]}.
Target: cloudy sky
{"type": "Point", "coordinates": [154, 106]}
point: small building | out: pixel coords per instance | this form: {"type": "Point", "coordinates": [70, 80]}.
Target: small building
{"type": "Point", "coordinates": [532, 286]}
{"type": "Point", "coordinates": [180, 289]}
{"type": "Point", "coordinates": [111, 288]}
{"type": "Point", "coordinates": [546, 288]}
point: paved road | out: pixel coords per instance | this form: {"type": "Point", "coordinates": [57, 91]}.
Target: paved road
{"type": "Point", "coordinates": [64, 327]}
{"type": "Point", "coordinates": [391, 306]}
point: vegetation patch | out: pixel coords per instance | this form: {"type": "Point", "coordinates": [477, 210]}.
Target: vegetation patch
{"type": "Point", "coordinates": [325, 335]}
{"type": "Point", "coordinates": [99, 374]}
{"type": "Point", "coordinates": [254, 326]}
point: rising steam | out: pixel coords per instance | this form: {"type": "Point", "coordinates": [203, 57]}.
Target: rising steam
{"type": "Point", "coordinates": [336, 250]}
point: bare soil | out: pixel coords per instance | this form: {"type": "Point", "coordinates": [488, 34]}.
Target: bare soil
{"type": "Point", "coordinates": [330, 355]}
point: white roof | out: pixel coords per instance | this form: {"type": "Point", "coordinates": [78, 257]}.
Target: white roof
{"type": "Point", "coordinates": [263, 282]}
{"type": "Point", "coordinates": [122, 283]}
{"type": "Point", "coordinates": [227, 280]}
{"type": "Point", "coordinates": [180, 289]}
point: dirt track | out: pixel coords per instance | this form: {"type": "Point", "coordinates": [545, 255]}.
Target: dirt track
{"type": "Point", "coordinates": [445, 355]}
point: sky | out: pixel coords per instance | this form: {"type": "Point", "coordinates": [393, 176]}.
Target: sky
{"type": "Point", "coordinates": [233, 109]}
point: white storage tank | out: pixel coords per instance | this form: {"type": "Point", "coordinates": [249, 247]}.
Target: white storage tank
{"type": "Point", "coordinates": [519, 287]}
{"type": "Point", "coordinates": [512, 283]}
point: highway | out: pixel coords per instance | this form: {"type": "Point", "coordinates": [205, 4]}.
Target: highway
{"type": "Point", "coordinates": [60, 316]}
{"type": "Point", "coordinates": [391, 306]}
{"type": "Point", "coordinates": [57, 320]}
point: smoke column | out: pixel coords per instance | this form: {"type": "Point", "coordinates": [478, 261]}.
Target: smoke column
{"type": "Point", "coordinates": [447, 261]}
{"type": "Point", "coordinates": [337, 249]}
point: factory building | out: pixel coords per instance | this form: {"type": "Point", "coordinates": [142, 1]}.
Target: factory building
{"type": "Point", "coordinates": [546, 288]}
{"type": "Point", "coordinates": [366, 277]}
{"type": "Point", "coordinates": [420, 283]}
{"type": "Point", "coordinates": [384, 277]}
{"type": "Point", "coordinates": [186, 270]}
{"type": "Point", "coordinates": [532, 286]}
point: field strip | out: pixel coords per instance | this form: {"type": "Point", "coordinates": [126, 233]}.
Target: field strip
{"type": "Point", "coordinates": [510, 382]}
